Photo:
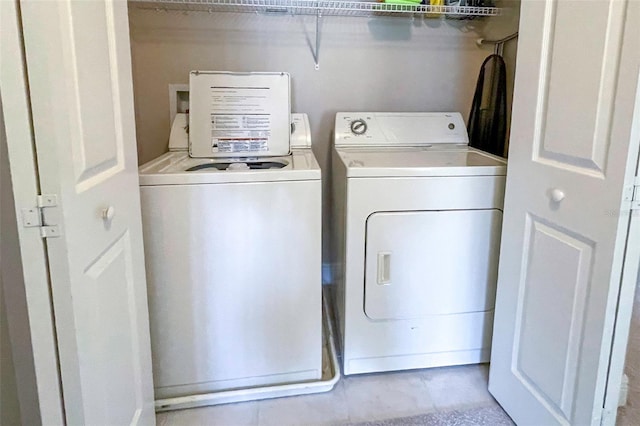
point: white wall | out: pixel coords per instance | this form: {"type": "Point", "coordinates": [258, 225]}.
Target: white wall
{"type": "Point", "coordinates": [9, 405]}
{"type": "Point", "coordinates": [368, 64]}
{"type": "Point", "coordinates": [387, 64]}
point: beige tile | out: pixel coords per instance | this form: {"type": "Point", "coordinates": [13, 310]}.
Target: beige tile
{"type": "Point", "coordinates": [459, 387]}
{"type": "Point", "coordinates": [386, 395]}
{"type": "Point", "coordinates": [354, 399]}
{"type": "Point", "coordinates": [628, 417]}
{"type": "Point", "coordinates": [162, 419]}
{"type": "Point", "coordinates": [316, 409]}
{"type": "Point", "coordinates": [242, 413]}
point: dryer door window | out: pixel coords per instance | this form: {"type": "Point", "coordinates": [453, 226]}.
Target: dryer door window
{"type": "Point", "coordinates": [427, 263]}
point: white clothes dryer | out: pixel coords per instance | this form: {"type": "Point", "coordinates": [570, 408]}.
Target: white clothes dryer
{"type": "Point", "coordinates": [233, 260]}
{"type": "Point", "coordinates": [417, 221]}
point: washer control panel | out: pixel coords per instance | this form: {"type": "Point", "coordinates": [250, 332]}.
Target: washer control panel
{"type": "Point", "coordinates": [399, 129]}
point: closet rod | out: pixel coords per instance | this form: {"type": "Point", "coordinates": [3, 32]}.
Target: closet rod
{"type": "Point", "coordinates": [482, 41]}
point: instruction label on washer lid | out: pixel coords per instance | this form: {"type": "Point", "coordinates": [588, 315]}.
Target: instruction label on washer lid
{"type": "Point", "coordinates": [240, 119]}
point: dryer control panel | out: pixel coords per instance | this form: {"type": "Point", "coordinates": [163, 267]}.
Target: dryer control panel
{"type": "Point", "coordinates": [399, 129]}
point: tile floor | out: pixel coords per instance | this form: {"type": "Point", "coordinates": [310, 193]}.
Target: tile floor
{"type": "Point", "coordinates": [438, 396]}
{"type": "Point", "coordinates": [629, 415]}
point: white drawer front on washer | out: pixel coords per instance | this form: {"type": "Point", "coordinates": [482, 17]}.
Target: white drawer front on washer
{"type": "Point", "coordinates": [425, 263]}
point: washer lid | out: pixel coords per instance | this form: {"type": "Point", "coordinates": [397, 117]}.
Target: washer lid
{"type": "Point", "coordinates": [441, 160]}
{"type": "Point", "coordinates": [177, 168]}
{"type": "Point", "coordinates": [239, 114]}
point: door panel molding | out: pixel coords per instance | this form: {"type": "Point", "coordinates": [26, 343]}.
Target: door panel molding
{"type": "Point", "coordinates": [596, 82]}
{"type": "Point", "coordinates": [553, 374]}
{"type": "Point", "coordinates": [95, 124]}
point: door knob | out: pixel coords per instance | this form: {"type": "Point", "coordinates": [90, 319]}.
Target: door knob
{"type": "Point", "coordinates": [557, 195]}
{"type": "Point", "coordinates": [108, 213]}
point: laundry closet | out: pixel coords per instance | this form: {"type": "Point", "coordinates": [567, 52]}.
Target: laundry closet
{"type": "Point", "coordinates": [567, 262]}
{"type": "Point", "coordinates": [441, 59]}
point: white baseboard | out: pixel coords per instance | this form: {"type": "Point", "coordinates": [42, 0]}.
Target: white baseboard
{"type": "Point", "coordinates": [624, 391]}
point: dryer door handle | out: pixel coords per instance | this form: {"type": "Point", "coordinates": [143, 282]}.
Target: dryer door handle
{"type": "Point", "coordinates": [384, 268]}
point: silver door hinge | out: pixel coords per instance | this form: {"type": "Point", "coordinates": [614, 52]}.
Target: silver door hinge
{"type": "Point", "coordinates": [632, 194]}
{"type": "Point", "coordinates": [34, 217]}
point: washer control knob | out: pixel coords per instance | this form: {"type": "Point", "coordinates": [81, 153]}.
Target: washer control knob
{"type": "Point", "coordinates": [358, 127]}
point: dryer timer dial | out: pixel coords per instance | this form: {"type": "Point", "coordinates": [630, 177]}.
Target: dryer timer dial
{"type": "Point", "coordinates": [358, 127]}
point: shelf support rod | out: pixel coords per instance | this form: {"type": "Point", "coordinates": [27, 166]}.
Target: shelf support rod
{"type": "Point", "coordinates": [499, 44]}
{"type": "Point", "coordinates": [316, 56]}
{"type": "Point", "coordinates": [482, 41]}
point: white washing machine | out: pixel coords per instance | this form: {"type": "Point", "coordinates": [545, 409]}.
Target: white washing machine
{"type": "Point", "coordinates": [417, 221]}
{"type": "Point", "coordinates": [233, 260]}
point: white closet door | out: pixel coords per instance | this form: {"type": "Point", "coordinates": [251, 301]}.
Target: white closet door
{"type": "Point", "coordinates": [563, 232]}
{"type": "Point", "coordinates": [79, 69]}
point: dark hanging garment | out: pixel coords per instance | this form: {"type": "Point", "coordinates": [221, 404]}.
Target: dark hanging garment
{"type": "Point", "coordinates": [488, 117]}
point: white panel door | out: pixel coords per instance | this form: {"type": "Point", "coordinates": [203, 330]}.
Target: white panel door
{"type": "Point", "coordinates": [563, 232]}
{"type": "Point", "coordinates": [79, 70]}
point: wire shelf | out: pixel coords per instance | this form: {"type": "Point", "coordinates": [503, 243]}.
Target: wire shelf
{"type": "Point", "coordinates": [315, 7]}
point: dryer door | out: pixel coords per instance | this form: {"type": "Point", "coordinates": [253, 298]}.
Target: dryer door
{"type": "Point", "coordinates": [426, 263]}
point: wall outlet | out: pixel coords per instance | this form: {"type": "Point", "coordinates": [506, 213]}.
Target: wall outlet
{"type": "Point", "coordinates": [178, 100]}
